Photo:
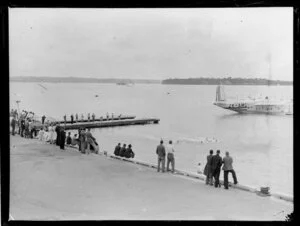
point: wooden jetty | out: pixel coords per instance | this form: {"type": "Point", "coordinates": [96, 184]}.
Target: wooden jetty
{"type": "Point", "coordinates": [99, 124]}
{"type": "Point", "coordinates": [99, 120]}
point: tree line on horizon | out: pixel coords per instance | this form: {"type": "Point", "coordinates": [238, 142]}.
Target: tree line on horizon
{"type": "Point", "coordinates": [80, 80]}
{"type": "Point", "coordinates": [225, 81]}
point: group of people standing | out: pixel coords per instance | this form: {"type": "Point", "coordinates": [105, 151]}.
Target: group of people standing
{"type": "Point", "coordinates": [75, 118]}
{"type": "Point", "coordinates": [26, 126]}
{"type": "Point", "coordinates": [213, 166]}
{"type": "Point", "coordinates": [161, 152]}
{"type": "Point", "coordinates": [123, 151]}
{"type": "Point", "coordinates": [90, 117]}
{"type": "Point", "coordinates": [86, 141]}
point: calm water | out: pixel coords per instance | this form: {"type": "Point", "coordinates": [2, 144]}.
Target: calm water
{"type": "Point", "coordinates": [261, 145]}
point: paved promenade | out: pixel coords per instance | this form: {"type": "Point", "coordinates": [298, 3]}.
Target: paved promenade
{"type": "Point", "coordinates": [72, 186]}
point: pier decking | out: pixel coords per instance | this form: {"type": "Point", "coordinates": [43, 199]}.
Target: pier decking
{"type": "Point", "coordinates": [111, 123]}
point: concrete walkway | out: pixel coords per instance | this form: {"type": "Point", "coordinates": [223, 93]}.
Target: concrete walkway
{"type": "Point", "coordinates": [72, 186]}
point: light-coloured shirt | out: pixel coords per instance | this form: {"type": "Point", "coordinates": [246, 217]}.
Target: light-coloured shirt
{"type": "Point", "coordinates": [170, 149]}
{"type": "Point", "coordinates": [227, 163]}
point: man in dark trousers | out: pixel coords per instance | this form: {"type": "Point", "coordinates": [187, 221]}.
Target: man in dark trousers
{"type": "Point", "coordinates": [57, 130]}
{"type": "Point", "coordinates": [13, 125]}
{"type": "Point", "coordinates": [22, 127]}
{"type": "Point", "coordinates": [161, 155]}
{"type": "Point", "coordinates": [79, 139]}
{"type": "Point", "coordinates": [122, 151]}
{"type": "Point", "coordinates": [117, 149]}
{"type": "Point", "coordinates": [207, 169]}
{"type": "Point", "coordinates": [216, 163]}
{"type": "Point", "coordinates": [43, 119]}
{"type": "Point", "coordinates": [82, 140]}
{"type": "Point", "coordinates": [62, 138]}
{"type": "Point", "coordinates": [72, 119]}
{"type": "Point", "coordinates": [227, 167]}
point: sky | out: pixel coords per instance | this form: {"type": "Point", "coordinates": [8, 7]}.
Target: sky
{"type": "Point", "coordinates": [152, 43]}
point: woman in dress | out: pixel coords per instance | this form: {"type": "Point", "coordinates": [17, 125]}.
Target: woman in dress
{"type": "Point", "coordinates": [51, 133]}
{"type": "Point", "coordinates": [41, 134]}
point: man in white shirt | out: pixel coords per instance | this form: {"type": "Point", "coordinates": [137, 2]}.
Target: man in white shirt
{"type": "Point", "coordinates": [170, 156]}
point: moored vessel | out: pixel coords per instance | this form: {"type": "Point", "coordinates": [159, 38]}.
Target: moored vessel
{"type": "Point", "coordinates": [264, 106]}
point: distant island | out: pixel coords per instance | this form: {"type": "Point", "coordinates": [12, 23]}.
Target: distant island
{"type": "Point", "coordinates": [81, 80]}
{"type": "Point", "coordinates": [225, 81]}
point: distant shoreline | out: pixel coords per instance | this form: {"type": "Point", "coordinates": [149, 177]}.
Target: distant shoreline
{"type": "Point", "coordinates": [82, 80]}
{"type": "Point", "coordinates": [189, 81]}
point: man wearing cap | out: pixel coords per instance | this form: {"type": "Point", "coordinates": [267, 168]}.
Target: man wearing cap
{"type": "Point", "coordinates": [161, 154]}
{"type": "Point", "coordinates": [227, 167]}
{"type": "Point", "coordinates": [117, 149]}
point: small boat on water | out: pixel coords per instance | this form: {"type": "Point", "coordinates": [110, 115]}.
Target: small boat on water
{"type": "Point", "coordinates": [264, 106]}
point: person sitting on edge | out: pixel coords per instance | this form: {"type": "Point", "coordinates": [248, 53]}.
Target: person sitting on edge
{"type": "Point", "coordinates": [117, 149]}
{"type": "Point", "coordinates": [69, 139]}
{"type": "Point", "coordinates": [74, 140]}
{"type": "Point", "coordinates": [227, 167]}
{"type": "Point", "coordinates": [161, 155]}
{"type": "Point", "coordinates": [122, 151]}
{"type": "Point", "coordinates": [33, 132]}
{"type": "Point", "coordinates": [129, 153]}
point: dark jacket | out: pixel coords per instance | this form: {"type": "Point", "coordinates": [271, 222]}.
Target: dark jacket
{"type": "Point", "coordinates": [89, 137]}
{"type": "Point", "coordinates": [13, 122]}
{"type": "Point", "coordinates": [128, 153]}
{"type": "Point", "coordinates": [117, 150]}
{"type": "Point", "coordinates": [69, 140]}
{"type": "Point", "coordinates": [161, 151]}
{"type": "Point", "coordinates": [207, 169]}
{"type": "Point", "coordinates": [216, 162]}
{"type": "Point", "coordinates": [122, 152]}
{"type": "Point", "coordinates": [62, 139]}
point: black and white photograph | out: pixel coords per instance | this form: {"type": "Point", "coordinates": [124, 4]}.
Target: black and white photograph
{"type": "Point", "coordinates": [151, 114]}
